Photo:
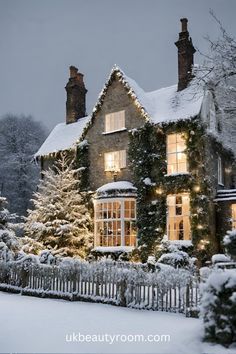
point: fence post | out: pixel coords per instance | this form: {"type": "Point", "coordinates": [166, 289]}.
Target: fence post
{"type": "Point", "coordinates": [24, 276]}
{"type": "Point", "coordinates": [187, 305]}
{"type": "Point", "coordinates": [123, 286]}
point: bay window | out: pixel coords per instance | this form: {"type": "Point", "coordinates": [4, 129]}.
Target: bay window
{"type": "Point", "coordinates": [115, 222]}
{"type": "Point", "coordinates": [176, 155]}
{"type": "Point", "coordinates": [178, 223]}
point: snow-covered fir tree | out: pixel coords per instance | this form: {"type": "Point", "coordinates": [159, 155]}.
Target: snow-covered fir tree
{"type": "Point", "coordinates": [61, 220]}
{"type": "Point", "coordinates": [9, 244]}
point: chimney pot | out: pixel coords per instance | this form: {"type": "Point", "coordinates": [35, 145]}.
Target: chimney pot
{"type": "Point", "coordinates": [184, 22]}
{"type": "Point", "coordinates": [73, 71]}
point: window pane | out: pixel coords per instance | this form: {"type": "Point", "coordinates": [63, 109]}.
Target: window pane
{"type": "Point", "coordinates": [178, 217]}
{"type": "Point", "coordinates": [171, 159]}
{"type": "Point", "coordinates": [233, 216]}
{"type": "Point", "coordinates": [114, 121]}
{"type": "Point", "coordinates": [171, 139]}
{"type": "Point", "coordinates": [176, 156]}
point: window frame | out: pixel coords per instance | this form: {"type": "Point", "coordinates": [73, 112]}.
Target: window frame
{"type": "Point", "coordinates": [122, 219]}
{"type": "Point", "coordinates": [176, 154]}
{"type": "Point", "coordinates": [111, 122]}
{"type": "Point", "coordinates": [178, 218]}
{"type": "Point", "coordinates": [220, 175]}
{"type": "Point", "coordinates": [233, 216]}
{"type": "Point", "coordinates": [122, 160]}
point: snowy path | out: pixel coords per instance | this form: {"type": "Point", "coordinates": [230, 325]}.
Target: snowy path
{"type": "Point", "coordinates": [40, 325]}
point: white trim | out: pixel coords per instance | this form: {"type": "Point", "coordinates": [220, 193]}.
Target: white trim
{"type": "Point", "coordinates": [114, 131]}
{"type": "Point", "coordinates": [122, 218]}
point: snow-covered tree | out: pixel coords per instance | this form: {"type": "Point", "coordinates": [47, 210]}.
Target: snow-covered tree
{"type": "Point", "coordinates": [61, 220]}
{"type": "Point", "coordinates": [230, 243]}
{"type": "Point", "coordinates": [218, 75]}
{"type": "Point", "coordinates": [20, 138]}
{"type": "Point", "coordinates": [9, 243]}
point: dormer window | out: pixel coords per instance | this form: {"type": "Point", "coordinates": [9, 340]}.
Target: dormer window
{"type": "Point", "coordinates": [114, 121]}
{"type": "Point", "coordinates": [115, 160]}
{"type": "Point", "coordinates": [176, 155]}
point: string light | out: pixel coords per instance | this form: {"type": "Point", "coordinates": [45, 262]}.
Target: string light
{"type": "Point", "coordinates": [197, 188]}
{"type": "Point", "coordinates": [159, 191]}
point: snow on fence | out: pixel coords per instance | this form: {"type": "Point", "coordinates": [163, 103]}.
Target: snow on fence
{"type": "Point", "coordinates": [107, 282]}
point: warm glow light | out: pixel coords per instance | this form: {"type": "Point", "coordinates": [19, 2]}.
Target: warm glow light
{"type": "Point", "coordinates": [159, 191]}
{"type": "Point", "coordinates": [110, 161]}
{"type": "Point", "coordinates": [196, 188]}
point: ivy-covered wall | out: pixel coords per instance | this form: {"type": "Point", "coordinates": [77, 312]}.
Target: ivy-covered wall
{"type": "Point", "coordinates": [147, 156]}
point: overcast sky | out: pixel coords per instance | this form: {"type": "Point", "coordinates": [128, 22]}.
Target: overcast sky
{"type": "Point", "coordinates": [39, 40]}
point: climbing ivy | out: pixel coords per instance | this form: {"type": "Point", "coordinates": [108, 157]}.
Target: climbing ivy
{"type": "Point", "coordinates": [147, 156]}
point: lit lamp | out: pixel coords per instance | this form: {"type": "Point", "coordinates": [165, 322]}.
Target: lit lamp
{"type": "Point", "coordinates": [159, 191]}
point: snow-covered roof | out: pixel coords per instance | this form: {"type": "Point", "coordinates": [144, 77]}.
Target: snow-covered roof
{"type": "Point", "coordinates": [167, 104]}
{"type": "Point", "coordinates": [116, 189]}
{"type": "Point", "coordinates": [163, 105]}
{"type": "Point", "coordinates": [63, 137]}
{"type": "Point", "coordinates": [120, 185]}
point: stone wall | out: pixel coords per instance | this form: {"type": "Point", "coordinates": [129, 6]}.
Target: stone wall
{"type": "Point", "coordinates": [116, 100]}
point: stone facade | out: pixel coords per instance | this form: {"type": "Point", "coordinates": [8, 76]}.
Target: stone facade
{"type": "Point", "coordinates": [99, 143]}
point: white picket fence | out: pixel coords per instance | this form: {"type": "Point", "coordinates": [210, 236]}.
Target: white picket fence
{"type": "Point", "coordinates": [130, 286]}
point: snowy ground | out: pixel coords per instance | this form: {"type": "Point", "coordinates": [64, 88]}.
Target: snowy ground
{"type": "Point", "coordinates": [33, 325]}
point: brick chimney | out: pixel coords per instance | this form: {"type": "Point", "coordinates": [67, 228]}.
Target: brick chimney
{"type": "Point", "coordinates": [186, 51]}
{"type": "Point", "coordinates": [76, 96]}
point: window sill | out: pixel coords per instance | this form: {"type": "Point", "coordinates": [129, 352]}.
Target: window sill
{"type": "Point", "coordinates": [221, 184]}
{"type": "Point", "coordinates": [114, 131]}
{"type": "Point", "coordinates": [113, 249]}
{"type": "Point", "coordinates": [178, 174]}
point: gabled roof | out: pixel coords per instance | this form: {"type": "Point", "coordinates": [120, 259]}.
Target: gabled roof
{"type": "Point", "coordinates": [163, 105]}
{"type": "Point", "coordinates": [63, 137]}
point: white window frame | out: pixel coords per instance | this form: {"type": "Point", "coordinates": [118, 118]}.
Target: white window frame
{"type": "Point", "coordinates": [117, 160]}
{"type": "Point", "coordinates": [185, 217]}
{"type": "Point", "coordinates": [220, 171]}
{"type": "Point", "coordinates": [233, 214]}
{"type": "Point", "coordinates": [122, 219]}
{"type": "Point", "coordinates": [114, 122]}
{"type": "Point", "coordinates": [176, 153]}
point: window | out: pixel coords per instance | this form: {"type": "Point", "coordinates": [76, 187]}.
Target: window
{"type": "Point", "coordinates": [233, 216]}
{"type": "Point", "coordinates": [178, 227]}
{"type": "Point", "coordinates": [115, 160]}
{"type": "Point", "coordinates": [114, 121]}
{"type": "Point", "coordinates": [220, 171]}
{"type": "Point", "coordinates": [176, 156]}
{"type": "Point", "coordinates": [115, 222]}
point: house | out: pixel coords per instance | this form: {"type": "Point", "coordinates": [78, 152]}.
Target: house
{"type": "Point", "coordinates": [157, 161]}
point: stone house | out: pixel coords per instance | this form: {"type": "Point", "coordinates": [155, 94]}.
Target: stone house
{"type": "Point", "coordinates": [156, 161]}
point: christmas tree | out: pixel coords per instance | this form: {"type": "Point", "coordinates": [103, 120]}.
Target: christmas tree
{"type": "Point", "coordinates": [9, 244]}
{"type": "Point", "coordinates": [61, 220]}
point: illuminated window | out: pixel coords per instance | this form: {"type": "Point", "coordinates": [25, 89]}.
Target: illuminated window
{"type": "Point", "coordinates": [115, 160]}
{"type": "Point", "coordinates": [115, 222]}
{"type": "Point", "coordinates": [233, 216]}
{"type": "Point", "coordinates": [114, 121]}
{"type": "Point", "coordinates": [220, 171]}
{"type": "Point", "coordinates": [176, 155]}
{"type": "Point", "coordinates": [178, 227]}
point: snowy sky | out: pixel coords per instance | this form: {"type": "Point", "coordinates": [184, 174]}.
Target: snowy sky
{"type": "Point", "coordinates": [39, 40]}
